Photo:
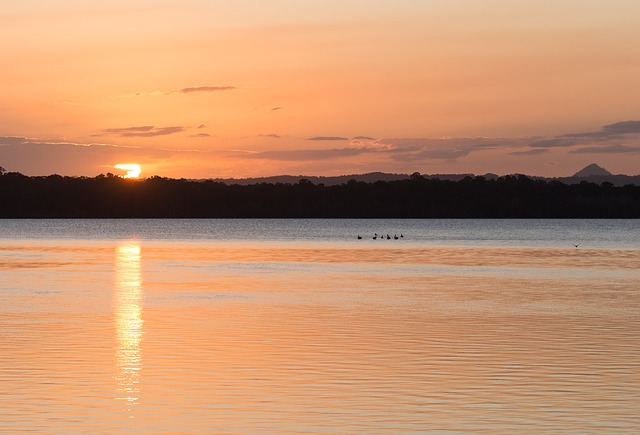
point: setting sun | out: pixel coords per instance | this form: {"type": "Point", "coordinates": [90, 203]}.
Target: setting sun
{"type": "Point", "coordinates": [133, 169]}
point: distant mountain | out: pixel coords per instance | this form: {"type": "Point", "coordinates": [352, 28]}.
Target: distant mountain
{"type": "Point", "coordinates": [591, 174]}
{"type": "Point", "coordinates": [592, 170]}
{"type": "Point", "coordinates": [597, 174]}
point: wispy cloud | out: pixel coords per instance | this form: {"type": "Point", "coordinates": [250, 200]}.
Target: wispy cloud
{"type": "Point", "coordinates": [321, 138]}
{"type": "Point", "coordinates": [307, 154]}
{"type": "Point", "coordinates": [12, 140]}
{"type": "Point", "coordinates": [41, 157]}
{"type": "Point", "coordinates": [142, 131]}
{"type": "Point", "coordinates": [272, 136]}
{"type": "Point", "coordinates": [610, 131]}
{"type": "Point", "coordinates": [609, 149]}
{"type": "Point", "coordinates": [533, 152]}
{"type": "Point", "coordinates": [124, 130]}
{"type": "Point", "coordinates": [396, 149]}
{"type": "Point", "coordinates": [450, 149]}
{"type": "Point", "coordinates": [624, 127]}
{"type": "Point", "coordinates": [276, 108]}
{"type": "Point", "coordinates": [204, 89]}
{"type": "Point", "coordinates": [442, 154]}
{"type": "Point", "coordinates": [201, 135]}
{"type": "Point", "coordinates": [556, 142]}
{"type": "Point", "coordinates": [618, 131]}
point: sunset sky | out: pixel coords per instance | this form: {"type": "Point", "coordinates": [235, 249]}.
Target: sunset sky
{"type": "Point", "coordinates": [243, 88]}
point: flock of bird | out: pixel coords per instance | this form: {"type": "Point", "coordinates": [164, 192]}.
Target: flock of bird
{"type": "Point", "coordinates": [377, 236]}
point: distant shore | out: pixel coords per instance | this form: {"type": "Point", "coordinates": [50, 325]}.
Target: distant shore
{"type": "Point", "coordinates": [417, 197]}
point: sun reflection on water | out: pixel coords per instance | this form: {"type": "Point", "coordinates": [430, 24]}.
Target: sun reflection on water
{"type": "Point", "coordinates": [128, 324]}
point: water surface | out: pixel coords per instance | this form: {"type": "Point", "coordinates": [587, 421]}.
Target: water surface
{"type": "Point", "coordinates": [295, 326]}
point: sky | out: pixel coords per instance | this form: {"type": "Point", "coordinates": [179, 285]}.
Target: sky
{"type": "Point", "coordinates": [248, 88]}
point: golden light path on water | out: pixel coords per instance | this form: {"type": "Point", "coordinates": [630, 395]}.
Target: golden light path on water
{"type": "Point", "coordinates": [128, 324]}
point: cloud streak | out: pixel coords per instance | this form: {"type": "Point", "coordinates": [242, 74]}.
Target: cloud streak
{"type": "Point", "coordinates": [610, 149]}
{"type": "Point", "coordinates": [618, 131]}
{"type": "Point", "coordinates": [397, 150]}
{"type": "Point", "coordinates": [533, 152]}
{"type": "Point", "coordinates": [448, 149]}
{"type": "Point", "coordinates": [203, 89]}
{"type": "Point", "coordinates": [34, 157]}
{"type": "Point", "coordinates": [142, 131]}
{"type": "Point", "coordinates": [281, 153]}
{"type": "Point", "coordinates": [12, 140]}
{"type": "Point", "coordinates": [306, 154]}
{"type": "Point", "coordinates": [327, 138]}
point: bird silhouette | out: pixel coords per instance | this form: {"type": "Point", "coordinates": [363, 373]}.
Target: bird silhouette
{"type": "Point", "coordinates": [576, 245]}
{"type": "Point", "coordinates": [359, 237]}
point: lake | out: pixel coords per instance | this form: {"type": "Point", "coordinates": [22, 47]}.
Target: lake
{"type": "Point", "coordinates": [296, 326]}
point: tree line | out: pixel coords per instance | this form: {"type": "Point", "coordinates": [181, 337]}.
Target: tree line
{"type": "Point", "coordinates": [513, 196]}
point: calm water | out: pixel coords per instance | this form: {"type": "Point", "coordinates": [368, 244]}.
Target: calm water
{"type": "Point", "coordinates": [295, 326]}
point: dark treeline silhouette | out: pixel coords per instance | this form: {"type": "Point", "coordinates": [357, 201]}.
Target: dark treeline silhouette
{"type": "Point", "coordinates": [515, 196]}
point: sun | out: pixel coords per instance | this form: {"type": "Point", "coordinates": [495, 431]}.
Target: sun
{"type": "Point", "coordinates": [133, 169]}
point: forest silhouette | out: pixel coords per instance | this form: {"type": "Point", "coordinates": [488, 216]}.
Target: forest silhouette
{"type": "Point", "coordinates": [513, 196]}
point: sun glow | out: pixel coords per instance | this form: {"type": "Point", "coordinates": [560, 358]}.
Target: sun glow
{"type": "Point", "coordinates": [133, 169]}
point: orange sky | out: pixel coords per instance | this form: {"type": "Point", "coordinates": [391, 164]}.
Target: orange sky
{"type": "Point", "coordinates": [208, 88]}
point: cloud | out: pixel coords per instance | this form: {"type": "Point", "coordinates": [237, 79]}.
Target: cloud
{"type": "Point", "coordinates": [320, 138]}
{"type": "Point", "coordinates": [557, 142]}
{"type": "Point", "coordinates": [142, 131]}
{"type": "Point", "coordinates": [272, 136]}
{"type": "Point", "coordinates": [442, 154]}
{"type": "Point", "coordinates": [533, 152]}
{"type": "Point", "coordinates": [307, 154]}
{"type": "Point", "coordinates": [12, 140]}
{"type": "Point", "coordinates": [203, 89]}
{"type": "Point", "coordinates": [186, 90]}
{"type": "Point", "coordinates": [201, 135]}
{"type": "Point", "coordinates": [615, 134]}
{"type": "Point", "coordinates": [201, 126]}
{"type": "Point", "coordinates": [624, 127]}
{"type": "Point", "coordinates": [48, 157]}
{"type": "Point", "coordinates": [276, 108]}
{"type": "Point", "coordinates": [396, 150]}
{"type": "Point", "coordinates": [413, 149]}
{"type": "Point", "coordinates": [609, 149]}
{"type": "Point", "coordinates": [617, 130]}
{"type": "Point", "coordinates": [364, 138]}
{"type": "Point", "coordinates": [125, 130]}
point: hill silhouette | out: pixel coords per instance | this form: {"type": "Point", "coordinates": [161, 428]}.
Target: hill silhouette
{"type": "Point", "coordinates": [592, 170]}
{"type": "Point", "coordinates": [592, 173]}
{"type": "Point", "coordinates": [512, 196]}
